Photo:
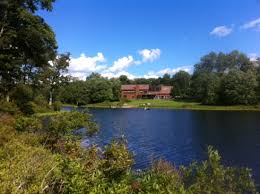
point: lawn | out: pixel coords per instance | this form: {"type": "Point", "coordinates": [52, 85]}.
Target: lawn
{"type": "Point", "coordinates": [172, 104]}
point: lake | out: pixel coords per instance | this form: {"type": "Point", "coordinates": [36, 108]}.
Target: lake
{"type": "Point", "coordinates": [182, 136]}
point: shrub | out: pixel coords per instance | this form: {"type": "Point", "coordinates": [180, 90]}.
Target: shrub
{"type": "Point", "coordinates": [29, 108]}
{"type": "Point", "coordinates": [9, 107]}
{"type": "Point", "coordinates": [27, 124]}
{"type": "Point", "coordinates": [67, 122]}
{"type": "Point", "coordinates": [6, 119]}
{"type": "Point", "coordinates": [26, 169]}
{"type": "Point", "coordinates": [212, 177]}
{"type": "Point", "coordinates": [41, 104]}
{"type": "Point", "coordinates": [92, 128]}
{"type": "Point", "coordinates": [118, 160]}
{"type": "Point", "coordinates": [57, 106]}
{"type": "Point", "coordinates": [22, 94]}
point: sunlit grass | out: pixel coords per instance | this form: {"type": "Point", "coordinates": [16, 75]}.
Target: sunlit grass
{"type": "Point", "coordinates": [173, 104]}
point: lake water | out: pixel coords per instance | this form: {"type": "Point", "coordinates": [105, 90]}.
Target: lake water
{"type": "Point", "coordinates": [182, 136]}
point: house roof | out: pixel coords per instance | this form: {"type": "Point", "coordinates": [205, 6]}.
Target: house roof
{"type": "Point", "coordinates": [128, 87]}
{"type": "Point", "coordinates": [166, 89]}
{"type": "Point", "coordinates": [134, 87]}
{"type": "Point", "coordinates": [143, 86]}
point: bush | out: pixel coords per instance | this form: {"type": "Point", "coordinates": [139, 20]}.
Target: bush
{"type": "Point", "coordinates": [27, 124]}
{"type": "Point", "coordinates": [41, 104]}
{"type": "Point", "coordinates": [26, 169]}
{"type": "Point", "coordinates": [118, 160]}
{"type": "Point", "coordinates": [212, 177]}
{"type": "Point", "coordinates": [22, 94]}
{"type": "Point", "coordinates": [57, 106]}
{"type": "Point", "coordinates": [67, 122]}
{"type": "Point", "coordinates": [29, 108]}
{"type": "Point", "coordinates": [9, 107]}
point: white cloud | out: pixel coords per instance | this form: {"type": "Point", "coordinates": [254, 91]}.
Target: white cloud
{"type": "Point", "coordinates": [252, 24]}
{"type": "Point", "coordinates": [253, 57]}
{"type": "Point", "coordinates": [221, 31]}
{"type": "Point", "coordinates": [123, 63]}
{"type": "Point", "coordinates": [150, 55]}
{"type": "Point", "coordinates": [84, 65]}
{"type": "Point", "coordinates": [170, 71]}
{"type": "Point", "coordinates": [118, 74]}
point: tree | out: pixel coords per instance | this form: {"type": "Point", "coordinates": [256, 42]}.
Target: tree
{"type": "Point", "coordinates": [124, 79]}
{"type": "Point", "coordinates": [93, 75]}
{"type": "Point", "coordinates": [25, 39]}
{"type": "Point", "coordinates": [229, 70]}
{"type": "Point", "coordinates": [207, 63]}
{"type": "Point", "coordinates": [22, 94]}
{"type": "Point", "coordinates": [181, 84]}
{"type": "Point", "coordinates": [212, 89]}
{"type": "Point", "coordinates": [166, 80]}
{"type": "Point", "coordinates": [54, 75]}
{"type": "Point", "coordinates": [116, 89]}
{"type": "Point", "coordinates": [222, 63]}
{"type": "Point", "coordinates": [142, 81]}
{"type": "Point", "coordinates": [99, 89]}
{"type": "Point", "coordinates": [75, 93]}
{"type": "Point", "coordinates": [257, 64]}
{"type": "Point", "coordinates": [206, 87]}
{"type": "Point", "coordinates": [239, 87]}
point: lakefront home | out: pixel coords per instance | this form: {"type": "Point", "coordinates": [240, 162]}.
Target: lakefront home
{"type": "Point", "coordinates": [145, 91]}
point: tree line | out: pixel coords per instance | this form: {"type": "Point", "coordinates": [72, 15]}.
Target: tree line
{"type": "Point", "coordinates": [218, 79]}
{"type": "Point", "coordinates": [32, 71]}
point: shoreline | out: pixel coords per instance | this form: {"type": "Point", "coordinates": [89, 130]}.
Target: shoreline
{"type": "Point", "coordinates": [177, 106]}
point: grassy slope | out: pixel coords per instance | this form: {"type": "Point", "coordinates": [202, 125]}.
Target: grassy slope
{"type": "Point", "coordinates": [171, 104]}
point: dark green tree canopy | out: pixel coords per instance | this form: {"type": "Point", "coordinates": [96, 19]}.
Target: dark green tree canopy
{"type": "Point", "coordinates": [25, 39]}
{"type": "Point", "coordinates": [181, 84]}
{"type": "Point", "coordinates": [222, 63]}
{"type": "Point", "coordinates": [239, 87]}
{"type": "Point", "coordinates": [226, 79]}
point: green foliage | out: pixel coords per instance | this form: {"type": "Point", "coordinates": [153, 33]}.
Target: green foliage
{"type": "Point", "coordinates": [181, 84]}
{"type": "Point", "coordinates": [118, 160]}
{"type": "Point", "coordinates": [95, 89]}
{"type": "Point", "coordinates": [116, 89]}
{"type": "Point", "coordinates": [166, 79]}
{"type": "Point", "coordinates": [22, 94]}
{"type": "Point", "coordinates": [27, 123]}
{"type": "Point", "coordinates": [41, 104]}
{"type": "Point", "coordinates": [28, 108]}
{"type": "Point", "coordinates": [75, 93]}
{"type": "Point", "coordinates": [124, 79]}
{"type": "Point", "coordinates": [99, 89]}
{"type": "Point", "coordinates": [212, 90]}
{"type": "Point", "coordinates": [25, 167]}
{"type": "Point", "coordinates": [35, 40]}
{"type": "Point", "coordinates": [53, 76]}
{"type": "Point", "coordinates": [67, 122]}
{"type": "Point", "coordinates": [9, 107]}
{"type": "Point", "coordinates": [225, 79]}
{"type": "Point", "coordinates": [212, 177]}
{"type": "Point", "coordinates": [239, 87]}
{"type": "Point", "coordinates": [163, 177]}
{"type": "Point", "coordinates": [57, 106]}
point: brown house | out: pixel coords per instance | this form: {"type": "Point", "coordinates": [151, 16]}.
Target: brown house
{"type": "Point", "coordinates": [140, 91]}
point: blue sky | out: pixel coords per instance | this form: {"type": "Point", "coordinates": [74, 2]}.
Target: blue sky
{"type": "Point", "coordinates": [147, 38]}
